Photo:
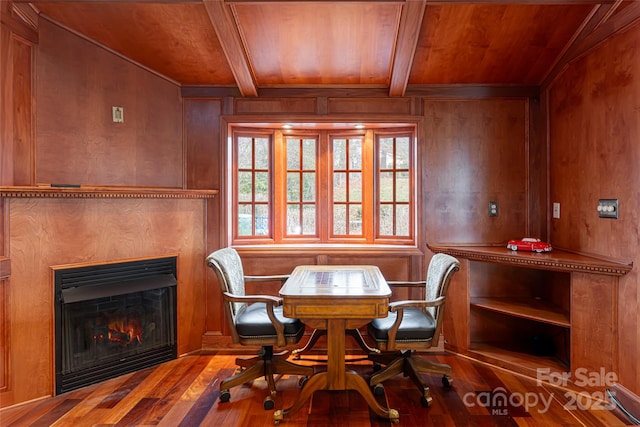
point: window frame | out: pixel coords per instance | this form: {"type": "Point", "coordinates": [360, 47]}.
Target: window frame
{"type": "Point", "coordinates": [324, 173]}
{"type": "Point", "coordinates": [413, 200]}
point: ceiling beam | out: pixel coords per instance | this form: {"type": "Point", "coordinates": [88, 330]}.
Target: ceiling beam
{"type": "Point", "coordinates": [231, 42]}
{"type": "Point", "coordinates": [408, 34]}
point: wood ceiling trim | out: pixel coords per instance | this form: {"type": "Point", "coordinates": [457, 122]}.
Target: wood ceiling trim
{"type": "Point", "coordinates": [600, 24]}
{"type": "Point", "coordinates": [227, 31]}
{"type": "Point", "coordinates": [408, 34]}
{"type": "Point", "coordinates": [605, 26]}
{"type": "Point", "coordinates": [19, 26]}
{"type": "Point", "coordinates": [415, 91]}
{"type": "Point", "coordinates": [521, 2]}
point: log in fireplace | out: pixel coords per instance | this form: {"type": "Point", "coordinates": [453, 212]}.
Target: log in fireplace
{"type": "Point", "coordinates": [112, 319]}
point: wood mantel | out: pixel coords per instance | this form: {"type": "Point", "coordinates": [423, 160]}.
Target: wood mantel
{"type": "Point", "coordinates": [556, 260]}
{"type": "Point", "coordinates": [102, 192]}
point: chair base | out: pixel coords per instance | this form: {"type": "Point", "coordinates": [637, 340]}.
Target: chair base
{"type": "Point", "coordinates": [409, 365]}
{"type": "Point", "coordinates": [267, 365]}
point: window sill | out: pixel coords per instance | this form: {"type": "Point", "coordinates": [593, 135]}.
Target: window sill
{"type": "Point", "coordinates": [328, 249]}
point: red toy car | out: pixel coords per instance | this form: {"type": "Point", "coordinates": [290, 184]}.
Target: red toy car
{"type": "Point", "coordinates": [529, 244]}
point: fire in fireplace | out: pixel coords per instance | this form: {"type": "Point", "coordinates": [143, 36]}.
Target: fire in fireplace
{"type": "Point", "coordinates": [112, 319]}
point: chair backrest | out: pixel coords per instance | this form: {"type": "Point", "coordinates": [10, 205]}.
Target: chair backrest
{"type": "Point", "coordinates": [228, 268]}
{"type": "Point", "coordinates": [441, 270]}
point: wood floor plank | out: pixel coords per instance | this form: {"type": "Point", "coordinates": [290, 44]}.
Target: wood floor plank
{"type": "Point", "coordinates": [181, 379]}
{"type": "Point", "coordinates": [80, 413]}
{"type": "Point", "coordinates": [52, 416]}
{"type": "Point", "coordinates": [205, 400]}
{"type": "Point", "coordinates": [157, 375]}
{"type": "Point", "coordinates": [185, 392]}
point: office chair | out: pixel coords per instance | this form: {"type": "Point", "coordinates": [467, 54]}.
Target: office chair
{"type": "Point", "coordinates": [413, 325]}
{"type": "Point", "coordinates": [255, 320]}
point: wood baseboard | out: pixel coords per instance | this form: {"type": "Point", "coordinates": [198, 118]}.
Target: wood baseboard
{"type": "Point", "coordinates": [629, 400]}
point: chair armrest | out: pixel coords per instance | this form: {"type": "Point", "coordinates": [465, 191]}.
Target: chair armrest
{"type": "Point", "coordinates": [400, 305]}
{"type": "Point", "coordinates": [271, 302]}
{"type": "Point", "coordinates": [274, 278]}
{"type": "Point", "coordinates": [268, 299]}
{"type": "Point", "coordinates": [419, 284]}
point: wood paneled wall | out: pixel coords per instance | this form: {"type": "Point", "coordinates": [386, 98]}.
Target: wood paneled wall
{"type": "Point", "coordinates": [475, 151]}
{"type": "Point", "coordinates": [62, 133]}
{"type": "Point", "coordinates": [47, 232]}
{"type": "Point", "coordinates": [77, 86]}
{"type": "Point", "coordinates": [594, 140]}
{"type": "Point", "coordinates": [470, 152]}
{"type": "Point", "coordinates": [16, 96]}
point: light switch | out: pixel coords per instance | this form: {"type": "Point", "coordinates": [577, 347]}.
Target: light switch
{"type": "Point", "coordinates": [117, 114]}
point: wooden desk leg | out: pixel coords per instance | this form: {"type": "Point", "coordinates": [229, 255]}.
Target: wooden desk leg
{"type": "Point", "coordinates": [335, 354]}
{"type": "Point", "coordinates": [336, 377]}
{"type": "Point", "coordinates": [314, 383]}
{"type": "Point", "coordinates": [357, 383]}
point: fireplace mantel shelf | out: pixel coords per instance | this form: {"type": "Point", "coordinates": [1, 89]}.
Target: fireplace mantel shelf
{"type": "Point", "coordinates": [105, 192]}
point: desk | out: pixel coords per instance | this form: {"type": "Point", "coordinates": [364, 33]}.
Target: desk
{"type": "Point", "coordinates": [336, 298]}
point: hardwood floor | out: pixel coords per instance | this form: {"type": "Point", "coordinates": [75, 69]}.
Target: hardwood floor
{"type": "Point", "coordinates": [185, 392]}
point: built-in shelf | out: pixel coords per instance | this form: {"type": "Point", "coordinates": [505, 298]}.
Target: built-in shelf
{"type": "Point", "coordinates": [526, 308]}
{"type": "Point", "coordinates": [529, 310]}
{"type": "Point", "coordinates": [102, 192]}
{"type": "Point", "coordinates": [504, 356]}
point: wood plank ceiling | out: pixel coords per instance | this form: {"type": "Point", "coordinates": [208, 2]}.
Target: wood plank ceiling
{"type": "Point", "coordinates": [393, 44]}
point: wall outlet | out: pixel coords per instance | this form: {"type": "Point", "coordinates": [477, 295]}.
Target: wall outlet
{"type": "Point", "coordinates": [493, 208]}
{"type": "Point", "coordinates": [608, 208]}
{"type": "Point", "coordinates": [556, 210]}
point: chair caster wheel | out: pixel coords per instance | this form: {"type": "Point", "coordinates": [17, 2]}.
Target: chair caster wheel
{"type": "Point", "coordinates": [426, 401]}
{"type": "Point", "coordinates": [268, 403]}
{"type": "Point", "coordinates": [302, 381]}
{"type": "Point", "coordinates": [378, 390]}
{"type": "Point", "coordinates": [447, 381]}
{"type": "Point", "coordinates": [225, 396]}
{"type": "Point", "coordinates": [278, 416]}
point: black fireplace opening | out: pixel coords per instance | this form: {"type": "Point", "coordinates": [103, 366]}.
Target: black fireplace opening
{"type": "Point", "coordinates": [112, 319]}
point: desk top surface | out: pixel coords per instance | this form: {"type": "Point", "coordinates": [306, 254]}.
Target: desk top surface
{"type": "Point", "coordinates": [336, 280]}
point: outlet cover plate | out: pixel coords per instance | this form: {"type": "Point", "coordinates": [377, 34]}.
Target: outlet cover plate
{"type": "Point", "coordinates": [608, 208]}
{"type": "Point", "coordinates": [493, 208]}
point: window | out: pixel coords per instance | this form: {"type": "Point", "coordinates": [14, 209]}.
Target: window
{"type": "Point", "coordinates": [394, 185]}
{"type": "Point", "coordinates": [253, 178]}
{"type": "Point", "coordinates": [346, 191]}
{"type": "Point", "coordinates": [301, 189]}
{"type": "Point", "coordinates": [323, 186]}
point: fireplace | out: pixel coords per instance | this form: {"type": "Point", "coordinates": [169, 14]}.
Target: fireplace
{"type": "Point", "coordinates": [112, 319]}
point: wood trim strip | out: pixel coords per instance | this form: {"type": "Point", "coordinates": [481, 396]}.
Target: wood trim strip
{"type": "Point", "coordinates": [453, 91]}
{"type": "Point", "coordinates": [627, 398]}
{"type": "Point", "coordinates": [83, 192]}
{"type": "Point", "coordinates": [555, 260]}
{"type": "Point", "coordinates": [19, 27]}
{"type": "Point", "coordinates": [600, 25]}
